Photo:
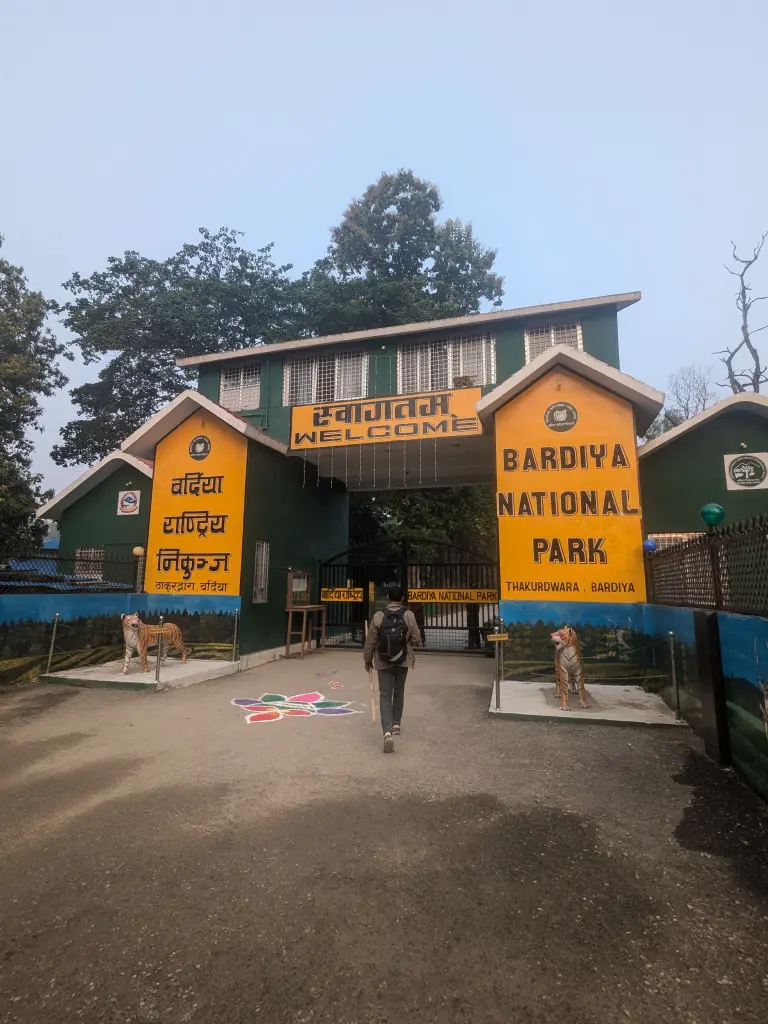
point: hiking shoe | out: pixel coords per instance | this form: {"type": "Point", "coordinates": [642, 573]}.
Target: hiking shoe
{"type": "Point", "coordinates": [389, 743]}
{"type": "Point", "coordinates": [396, 729]}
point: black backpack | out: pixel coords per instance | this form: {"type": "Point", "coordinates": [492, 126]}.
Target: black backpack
{"type": "Point", "coordinates": [393, 634]}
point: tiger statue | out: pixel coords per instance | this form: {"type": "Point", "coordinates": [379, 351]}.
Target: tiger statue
{"type": "Point", "coordinates": [569, 667]}
{"type": "Point", "coordinates": [139, 636]}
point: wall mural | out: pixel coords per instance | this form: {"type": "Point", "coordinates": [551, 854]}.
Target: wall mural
{"type": "Point", "coordinates": [744, 646]}
{"type": "Point", "coordinates": [619, 644]}
{"type": "Point", "coordinates": [272, 707]}
{"type": "Point", "coordinates": [90, 629]}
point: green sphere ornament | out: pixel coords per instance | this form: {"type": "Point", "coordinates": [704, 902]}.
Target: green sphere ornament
{"type": "Point", "coordinates": [712, 514]}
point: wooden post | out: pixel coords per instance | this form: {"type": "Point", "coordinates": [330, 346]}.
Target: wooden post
{"type": "Point", "coordinates": [235, 638]}
{"type": "Point", "coordinates": [53, 641]}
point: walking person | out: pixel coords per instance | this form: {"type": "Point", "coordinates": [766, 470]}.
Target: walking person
{"type": "Point", "coordinates": [392, 635]}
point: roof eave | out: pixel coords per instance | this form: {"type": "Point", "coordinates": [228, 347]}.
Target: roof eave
{"type": "Point", "coordinates": [758, 404]}
{"type": "Point", "coordinates": [646, 401]}
{"type": "Point", "coordinates": [142, 442]}
{"type": "Point", "coordinates": [620, 301]}
{"type": "Point", "coordinates": [93, 476]}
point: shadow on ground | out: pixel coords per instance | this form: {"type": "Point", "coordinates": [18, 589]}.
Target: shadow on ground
{"type": "Point", "coordinates": [725, 819]}
{"type": "Point", "coordinates": [353, 911]}
{"type": "Point", "coordinates": [16, 709]}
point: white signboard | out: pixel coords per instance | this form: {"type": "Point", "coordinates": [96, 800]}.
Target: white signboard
{"type": "Point", "coordinates": [128, 502]}
{"type": "Point", "coordinates": [747, 471]}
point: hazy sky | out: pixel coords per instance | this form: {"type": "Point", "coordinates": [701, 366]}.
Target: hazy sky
{"type": "Point", "coordinates": [600, 146]}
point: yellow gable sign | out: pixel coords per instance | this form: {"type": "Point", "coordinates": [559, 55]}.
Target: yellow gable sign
{"type": "Point", "coordinates": [196, 517]}
{"type": "Point", "coordinates": [568, 500]}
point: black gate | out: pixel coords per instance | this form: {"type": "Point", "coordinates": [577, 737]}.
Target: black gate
{"type": "Point", "coordinates": [452, 623]}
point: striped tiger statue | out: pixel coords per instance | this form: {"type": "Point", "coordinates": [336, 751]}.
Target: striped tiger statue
{"type": "Point", "coordinates": [569, 667]}
{"type": "Point", "coordinates": [139, 636]}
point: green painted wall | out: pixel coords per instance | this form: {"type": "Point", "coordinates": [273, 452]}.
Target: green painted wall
{"type": "Point", "coordinates": [600, 335]}
{"type": "Point", "coordinates": [304, 526]}
{"type": "Point", "coordinates": [208, 381]}
{"type": "Point", "coordinates": [677, 479]}
{"type": "Point", "coordinates": [92, 521]}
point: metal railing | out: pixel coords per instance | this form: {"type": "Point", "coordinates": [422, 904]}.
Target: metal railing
{"type": "Point", "coordinates": [725, 569]}
{"type": "Point", "coordinates": [52, 572]}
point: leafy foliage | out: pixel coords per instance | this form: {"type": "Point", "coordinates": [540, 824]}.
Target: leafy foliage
{"type": "Point", "coordinates": [29, 369]}
{"type": "Point", "coordinates": [20, 497]}
{"type": "Point", "coordinates": [213, 296]}
{"type": "Point", "coordinates": [465, 516]}
{"type": "Point", "coordinates": [390, 262]}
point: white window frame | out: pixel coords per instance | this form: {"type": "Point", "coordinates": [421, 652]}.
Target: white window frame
{"type": "Point", "coordinates": [555, 332]}
{"type": "Point", "coordinates": [318, 370]}
{"type": "Point", "coordinates": [89, 563]}
{"type": "Point", "coordinates": [238, 390]}
{"type": "Point", "coordinates": [455, 347]}
{"type": "Point", "coordinates": [261, 572]}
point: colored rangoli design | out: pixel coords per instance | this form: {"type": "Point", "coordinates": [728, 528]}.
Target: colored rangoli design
{"type": "Point", "coordinates": [271, 707]}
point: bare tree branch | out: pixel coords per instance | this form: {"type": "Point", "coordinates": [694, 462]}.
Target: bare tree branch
{"type": "Point", "coordinates": [740, 380]}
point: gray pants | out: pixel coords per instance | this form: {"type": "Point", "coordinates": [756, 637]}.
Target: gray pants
{"type": "Point", "coordinates": [391, 695]}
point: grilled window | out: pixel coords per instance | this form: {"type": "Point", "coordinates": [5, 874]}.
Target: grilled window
{"type": "Point", "coordinates": [261, 572]}
{"type": "Point", "coordinates": [241, 387]}
{"type": "Point", "coordinates": [539, 339]}
{"type": "Point", "coordinates": [467, 361]}
{"type": "Point", "coordinates": [89, 563]}
{"type": "Point", "coordinates": [331, 378]}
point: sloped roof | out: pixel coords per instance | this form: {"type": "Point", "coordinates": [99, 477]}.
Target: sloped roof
{"type": "Point", "coordinates": [88, 480]}
{"type": "Point", "coordinates": [142, 442]}
{"type": "Point", "coordinates": [757, 404]}
{"type": "Point", "coordinates": [647, 401]}
{"type": "Point", "coordinates": [618, 301]}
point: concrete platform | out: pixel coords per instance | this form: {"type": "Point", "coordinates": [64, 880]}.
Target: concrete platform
{"type": "Point", "coordinates": [609, 705]}
{"type": "Point", "coordinates": [172, 674]}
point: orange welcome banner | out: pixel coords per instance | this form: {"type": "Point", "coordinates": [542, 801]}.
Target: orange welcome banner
{"type": "Point", "coordinates": [397, 418]}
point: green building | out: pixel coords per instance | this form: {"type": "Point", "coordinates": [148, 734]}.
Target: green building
{"type": "Point", "coordinates": [105, 512]}
{"type": "Point", "coordinates": [263, 383]}
{"type": "Point", "coordinates": [719, 456]}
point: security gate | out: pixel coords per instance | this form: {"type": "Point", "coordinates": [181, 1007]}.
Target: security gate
{"type": "Point", "coordinates": [452, 592]}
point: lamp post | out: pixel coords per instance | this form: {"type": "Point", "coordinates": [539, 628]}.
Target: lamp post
{"type": "Point", "coordinates": [712, 515]}
{"type": "Point", "coordinates": [138, 576]}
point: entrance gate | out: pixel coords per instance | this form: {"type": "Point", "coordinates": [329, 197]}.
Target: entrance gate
{"type": "Point", "coordinates": [444, 584]}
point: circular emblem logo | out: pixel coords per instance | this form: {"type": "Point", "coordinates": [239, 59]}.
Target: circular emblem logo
{"type": "Point", "coordinates": [200, 447]}
{"type": "Point", "coordinates": [129, 502]}
{"type": "Point", "coordinates": [747, 471]}
{"type": "Point", "coordinates": [561, 416]}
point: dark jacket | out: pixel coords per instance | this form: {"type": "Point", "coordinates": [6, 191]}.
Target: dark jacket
{"type": "Point", "coordinates": [413, 639]}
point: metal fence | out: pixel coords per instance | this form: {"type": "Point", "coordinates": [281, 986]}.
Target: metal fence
{"type": "Point", "coordinates": [51, 572]}
{"type": "Point", "coordinates": [726, 569]}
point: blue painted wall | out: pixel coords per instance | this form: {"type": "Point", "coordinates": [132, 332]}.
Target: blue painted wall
{"type": "Point", "coordinates": [744, 647]}
{"type": "Point", "coordinates": [43, 607]}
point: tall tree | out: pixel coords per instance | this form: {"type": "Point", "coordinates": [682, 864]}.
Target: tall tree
{"type": "Point", "coordinates": [142, 314]}
{"type": "Point", "coordinates": [753, 374]}
{"type": "Point", "coordinates": [391, 262]}
{"type": "Point", "coordinates": [29, 370]}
